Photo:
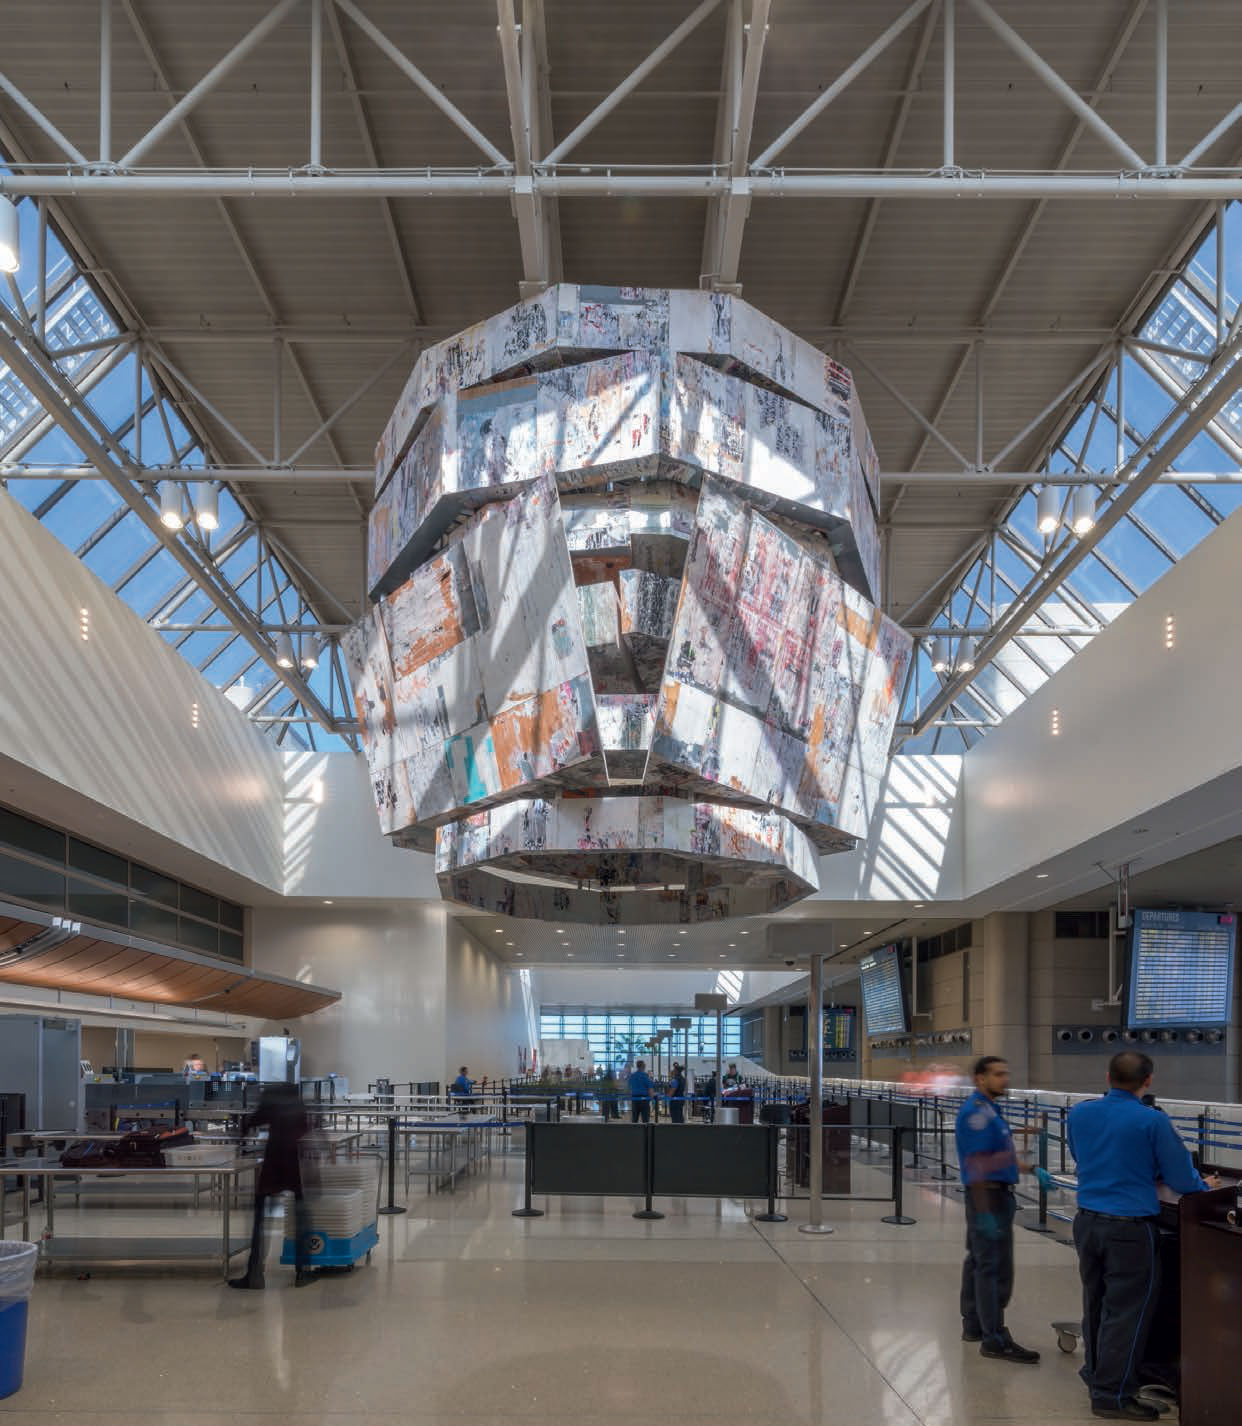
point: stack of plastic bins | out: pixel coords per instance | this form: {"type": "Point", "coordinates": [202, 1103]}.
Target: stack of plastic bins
{"type": "Point", "coordinates": [342, 1203]}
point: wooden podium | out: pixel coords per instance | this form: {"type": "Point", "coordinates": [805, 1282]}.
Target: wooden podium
{"type": "Point", "coordinates": [1211, 1292]}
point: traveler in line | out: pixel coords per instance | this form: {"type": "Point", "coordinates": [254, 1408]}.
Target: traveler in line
{"type": "Point", "coordinates": [640, 1093]}
{"type": "Point", "coordinates": [280, 1111]}
{"type": "Point", "coordinates": [677, 1095]}
{"type": "Point", "coordinates": [989, 1166]}
{"type": "Point", "coordinates": [731, 1078]}
{"type": "Point", "coordinates": [1121, 1147]}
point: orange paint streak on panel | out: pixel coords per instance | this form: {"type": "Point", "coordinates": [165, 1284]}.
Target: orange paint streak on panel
{"type": "Point", "coordinates": [438, 627]}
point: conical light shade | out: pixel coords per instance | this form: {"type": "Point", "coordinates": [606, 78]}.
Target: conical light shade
{"type": "Point", "coordinates": [940, 656]}
{"type": "Point", "coordinates": [1048, 510]}
{"type": "Point", "coordinates": [207, 505]}
{"type": "Point", "coordinates": [966, 652]}
{"type": "Point", "coordinates": [1082, 510]}
{"type": "Point", "coordinates": [284, 651]}
{"type": "Point", "coordinates": [10, 236]}
{"type": "Point", "coordinates": [310, 654]}
{"type": "Point", "coordinates": [170, 505]}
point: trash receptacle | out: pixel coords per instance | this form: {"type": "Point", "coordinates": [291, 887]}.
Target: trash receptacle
{"type": "Point", "coordinates": [17, 1269]}
{"type": "Point", "coordinates": [728, 1115]}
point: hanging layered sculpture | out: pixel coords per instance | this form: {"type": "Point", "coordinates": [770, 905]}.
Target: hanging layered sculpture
{"type": "Point", "coordinates": [624, 662]}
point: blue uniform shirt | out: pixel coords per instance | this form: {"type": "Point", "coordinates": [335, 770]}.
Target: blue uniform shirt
{"type": "Point", "coordinates": [640, 1084]}
{"type": "Point", "coordinates": [462, 1085]}
{"type": "Point", "coordinates": [1121, 1147]}
{"type": "Point", "coordinates": [985, 1151]}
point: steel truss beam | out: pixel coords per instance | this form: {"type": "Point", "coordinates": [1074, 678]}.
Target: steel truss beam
{"type": "Point", "coordinates": [372, 183]}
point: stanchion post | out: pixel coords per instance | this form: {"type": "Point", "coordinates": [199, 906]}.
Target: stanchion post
{"type": "Point", "coordinates": [815, 1053]}
{"type": "Point", "coordinates": [772, 1216]}
{"type": "Point", "coordinates": [1042, 1225]}
{"type": "Point", "coordinates": [392, 1206]}
{"type": "Point", "coordinates": [898, 1217]}
{"type": "Point", "coordinates": [526, 1210]}
{"type": "Point", "coordinates": [647, 1211]}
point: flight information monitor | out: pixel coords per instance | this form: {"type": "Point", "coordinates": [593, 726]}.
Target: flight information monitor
{"type": "Point", "coordinates": [884, 1000]}
{"type": "Point", "coordinates": [839, 1032]}
{"type": "Point", "coordinates": [1181, 968]}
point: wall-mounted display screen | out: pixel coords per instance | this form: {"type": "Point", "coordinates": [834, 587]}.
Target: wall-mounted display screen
{"type": "Point", "coordinates": [1181, 968]}
{"type": "Point", "coordinates": [883, 995]}
{"type": "Point", "coordinates": [839, 1031]}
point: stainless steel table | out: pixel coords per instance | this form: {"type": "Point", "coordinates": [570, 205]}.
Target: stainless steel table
{"type": "Point", "coordinates": [126, 1252]}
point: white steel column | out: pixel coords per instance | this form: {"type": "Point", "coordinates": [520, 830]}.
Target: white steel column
{"type": "Point", "coordinates": [950, 83]}
{"type": "Point", "coordinates": [1162, 83]}
{"type": "Point", "coordinates": [815, 1056]}
{"type": "Point", "coordinates": [105, 81]}
{"type": "Point", "coordinates": [316, 84]}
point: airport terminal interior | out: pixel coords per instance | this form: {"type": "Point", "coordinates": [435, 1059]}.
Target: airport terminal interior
{"type": "Point", "coordinates": [598, 601]}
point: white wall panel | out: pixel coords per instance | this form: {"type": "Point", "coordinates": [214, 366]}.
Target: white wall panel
{"type": "Point", "coordinates": [111, 715]}
{"type": "Point", "coordinates": [333, 844]}
{"type": "Point", "coordinates": [484, 1015]}
{"type": "Point", "coordinates": [388, 963]}
{"type": "Point", "coordinates": [1140, 724]}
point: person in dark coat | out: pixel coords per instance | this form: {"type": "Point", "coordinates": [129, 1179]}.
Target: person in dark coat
{"type": "Point", "coordinates": [677, 1095]}
{"type": "Point", "coordinates": [280, 1110]}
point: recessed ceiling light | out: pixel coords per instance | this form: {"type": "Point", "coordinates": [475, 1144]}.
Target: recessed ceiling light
{"type": "Point", "coordinates": [508, 943]}
{"type": "Point", "coordinates": [918, 905]}
{"type": "Point", "coordinates": [866, 933]}
{"type": "Point", "coordinates": [724, 955]}
{"type": "Point", "coordinates": [499, 931]}
{"type": "Point", "coordinates": [327, 901]}
{"type": "Point", "coordinates": [620, 955]}
{"type": "Point", "coordinates": [570, 954]}
{"type": "Point", "coordinates": [1041, 876]}
{"type": "Point", "coordinates": [733, 945]}
{"type": "Point", "coordinates": [672, 956]}
{"type": "Point", "coordinates": [620, 933]}
{"type": "Point", "coordinates": [844, 945]}
{"type": "Point", "coordinates": [521, 955]}
{"type": "Point", "coordinates": [743, 933]}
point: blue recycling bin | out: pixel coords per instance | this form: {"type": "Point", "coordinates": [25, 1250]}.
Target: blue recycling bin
{"type": "Point", "coordinates": [17, 1269]}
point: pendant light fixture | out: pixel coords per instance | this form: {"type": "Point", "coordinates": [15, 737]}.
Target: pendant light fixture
{"type": "Point", "coordinates": [940, 656]}
{"type": "Point", "coordinates": [1048, 509]}
{"type": "Point", "coordinates": [310, 655]}
{"type": "Point", "coordinates": [1082, 510]}
{"type": "Point", "coordinates": [284, 651]}
{"type": "Point", "coordinates": [170, 505]}
{"type": "Point", "coordinates": [207, 506]}
{"type": "Point", "coordinates": [10, 236]}
{"type": "Point", "coordinates": [966, 653]}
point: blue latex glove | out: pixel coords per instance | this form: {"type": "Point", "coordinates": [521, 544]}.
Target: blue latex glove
{"type": "Point", "coordinates": [989, 1225]}
{"type": "Point", "coordinates": [1046, 1181]}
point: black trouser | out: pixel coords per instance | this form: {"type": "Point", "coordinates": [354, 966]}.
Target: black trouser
{"type": "Point", "coordinates": [301, 1222]}
{"type": "Point", "coordinates": [1119, 1263]}
{"type": "Point", "coordinates": [677, 1111]}
{"type": "Point", "coordinates": [640, 1111]}
{"type": "Point", "coordinates": [987, 1273]}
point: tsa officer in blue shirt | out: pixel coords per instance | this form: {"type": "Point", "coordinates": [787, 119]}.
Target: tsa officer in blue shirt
{"type": "Point", "coordinates": [640, 1093]}
{"type": "Point", "coordinates": [1121, 1147]}
{"type": "Point", "coordinates": [989, 1166]}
